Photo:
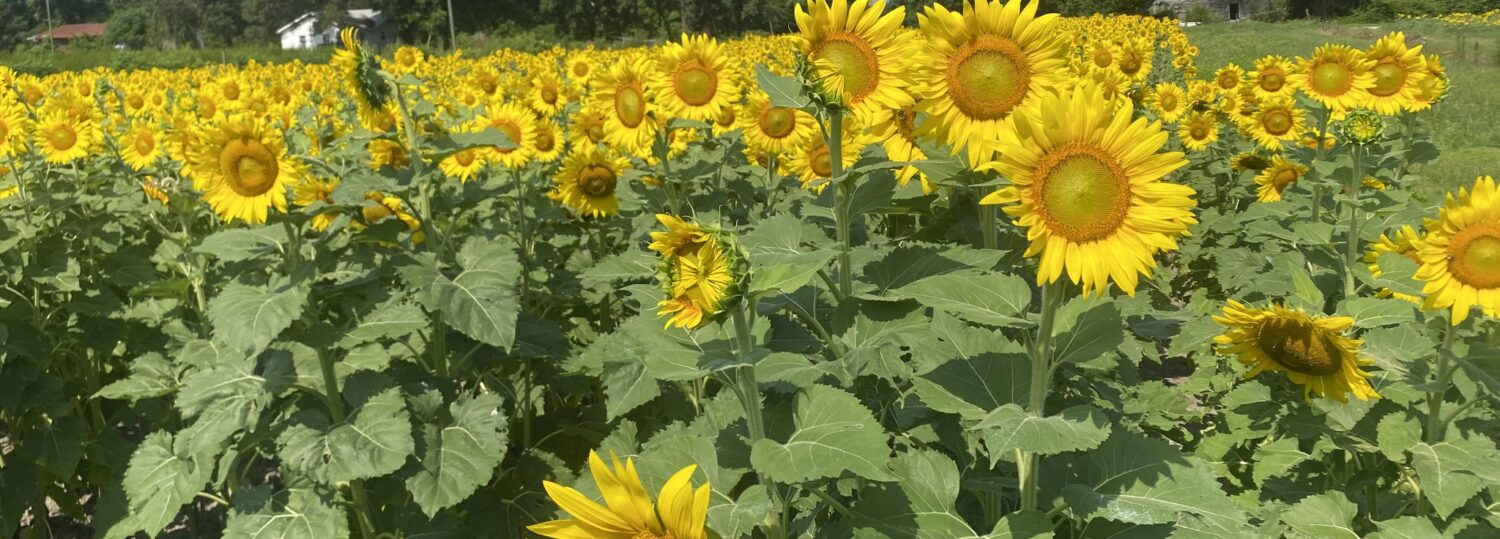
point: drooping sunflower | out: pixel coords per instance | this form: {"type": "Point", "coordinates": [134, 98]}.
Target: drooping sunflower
{"type": "Point", "coordinates": [858, 52]}
{"type": "Point", "coordinates": [1460, 254]}
{"type": "Point", "coordinates": [361, 72]}
{"type": "Point", "coordinates": [314, 190]}
{"type": "Point", "coordinates": [620, 93]}
{"type": "Point", "coordinates": [1402, 242]}
{"type": "Point", "coordinates": [680, 512]}
{"type": "Point", "coordinates": [1338, 76]}
{"type": "Point", "coordinates": [1270, 78]}
{"type": "Point", "coordinates": [1198, 129]}
{"type": "Point", "coordinates": [692, 79]}
{"type": "Point", "coordinates": [1248, 161]}
{"type": "Point", "coordinates": [1311, 351]}
{"type": "Point", "coordinates": [587, 181]}
{"type": "Point", "coordinates": [981, 65]}
{"type": "Point", "coordinates": [1276, 120]}
{"type": "Point", "coordinates": [387, 153]}
{"type": "Point", "coordinates": [1087, 187]}
{"type": "Point", "coordinates": [1397, 72]}
{"type": "Point", "coordinates": [518, 124]}
{"type": "Point", "coordinates": [244, 169]}
{"type": "Point", "coordinates": [1168, 101]}
{"type": "Point", "coordinates": [681, 237]}
{"type": "Point", "coordinates": [63, 139]}
{"type": "Point", "coordinates": [1276, 178]}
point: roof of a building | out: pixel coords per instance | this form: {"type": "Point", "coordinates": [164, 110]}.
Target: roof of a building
{"type": "Point", "coordinates": [363, 17]}
{"type": "Point", "coordinates": [70, 31]}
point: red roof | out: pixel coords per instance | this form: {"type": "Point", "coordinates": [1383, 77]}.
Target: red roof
{"type": "Point", "coordinates": [70, 31]}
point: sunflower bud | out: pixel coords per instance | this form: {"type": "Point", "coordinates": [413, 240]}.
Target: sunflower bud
{"type": "Point", "coordinates": [1363, 126]}
{"type": "Point", "coordinates": [701, 272]}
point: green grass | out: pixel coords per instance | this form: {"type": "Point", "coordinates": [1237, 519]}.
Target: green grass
{"type": "Point", "coordinates": [1462, 125]}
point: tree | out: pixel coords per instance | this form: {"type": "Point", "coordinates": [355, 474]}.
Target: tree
{"type": "Point", "coordinates": [129, 27]}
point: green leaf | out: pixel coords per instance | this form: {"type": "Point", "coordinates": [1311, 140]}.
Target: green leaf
{"type": "Point", "coordinates": [874, 345]}
{"type": "Point", "coordinates": [1374, 313]}
{"type": "Point", "coordinates": [785, 273]}
{"type": "Point", "coordinates": [1009, 428]}
{"type": "Point", "coordinates": [1445, 471]}
{"type": "Point", "coordinates": [930, 481]}
{"type": "Point", "coordinates": [248, 318]}
{"type": "Point", "coordinates": [974, 386]}
{"type": "Point", "coordinates": [834, 433]}
{"type": "Point", "coordinates": [295, 513]}
{"type": "Point", "coordinates": [388, 321]}
{"type": "Point", "coordinates": [1305, 292]}
{"type": "Point", "coordinates": [627, 266]}
{"type": "Point", "coordinates": [59, 447]}
{"type": "Point", "coordinates": [224, 399]}
{"type": "Point", "coordinates": [237, 244]}
{"type": "Point", "coordinates": [1408, 527]}
{"type": "Point", "coordinates": [784, 91]}
{"type": "Point", "coordinates": [1398, 274]}
{"type": "Point", "coordinates": [791, 368]}
{"type": "Point", "coordinates": [481, 301]}
{"type": "Point", "coordinates": [374, 441]}
{"type": "Point", "coordinates": [460, 455]}
{"type": "Point", "coordinates": [17, 490]}
{"type": "Point", "coordinates": [626, 386]}
{"type": "Point", "coordinates": [1328, 515]}
{"type": "Point", "coordinates": [1397, 432]}
{"type": "Point", "coordinates": [1276, 459]}
{"type": "Point", "coordinates": [159, 481]}
{"type": "Point", "coordinates": [151, 375]}
{"type": "Point", "coordinates": [1138, 480]}
{"type": "Point", "coordinates": [449, 144]}
{"type": "Point", "coordinates": [1087, 329]}
{"type": "Point", "coordinates": [911, 263]}
{"type": "Point", "coordinates": [995, 299]}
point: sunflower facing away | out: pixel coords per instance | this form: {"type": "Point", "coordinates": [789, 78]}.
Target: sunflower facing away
{"type": "Point", "coordinates": [680, 511]}
{"type": "Point", "coordinates": [1403, 243]}
{"type": "Point", "coordinates": [1460, 254]}
{"type": "Point", "coordinates": [700, 285]}
{"type": "Point", "coordinates": [1397, 72]}
{"type": "Point", "coordinates": [361, 71]}
{"type": "Point", "coordinates": [692, 80]}
{"type": "Point", "coordinates": [1338, 76]}
{"type": "Point", "coordinates": [244, 168]}
{"type": "Point", "coordinates": [1275, 179]}
{"type": "Point", "coordinates": [620, 93]}
{"type": "Point", "coordinates": [981, 65]}
{"type": "Point", "coordinates": [859, 54]}
{"type": "Point", "coordinates": [587, 180]}
{"type": "Point", "coordinates": [1087, 188]}
{"type": "Point", "coordinates": [1312, 351]}
{"type": "Point", "coordinates": [63, 139]}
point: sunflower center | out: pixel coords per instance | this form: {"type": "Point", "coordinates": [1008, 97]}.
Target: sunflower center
{"type": "Point", "coordinates": [855, 62]}
{"type": "Point", "coordinates": [464, 158]}
{"type": "Point", "coordinates": [1102, 57]}
{"type": "Point", "coordinates": [695, 84]}
{"type": "Point", "coordinates": [1330, 79]}
{"type": "Point", "coordinates": [1198, 131]}
{"type": "Point", "coordinates": [1168, 102]}
{"type": "Point", "coordinates": [989, 77]}
{"type": "Point", "coordinates": [544, 141]}
{"type": "Point", "coordinates": [1081, 192]}
{"type": "Point", "coordinates": [1389, 78]}
{"type": "Point", "coordinates": [549, 95]}
{"type": "Point", "coordinates": [596, 181]}
{"type": "Point", "coordinates": [249, 167]}
{"type": "Point", "coordinates": [1277, 122]}
{"type": "Point", "coordinates": [1272, 82]}
{"type": "Point", "coordinates": [630, 106]}
{"type": "Point", "coordinates": [1475, 256]}
{"type": "Point", "coordinates": [1298, 346]}
{"type": "Point", "coordinates": [595, 132]}
{"type": "Point", "coordinates": [777, 122]}
{"type": "Point", "coordinates": [1228, 81]}
{"type": "Point", "coordinates": [135, 102]}
{"type": "Point", "coordinates": [62, 138]}
{"type": "Point", "coordinates": [581, 69]}
{"type": "Point", "coordinates": [1284, 178]}
{"type": "Point", "coordinates": [144, 143]}
{"type": "Point", "coordinates": [821, 161]}
{"type": "Point", "coordinates": [1130, 62]}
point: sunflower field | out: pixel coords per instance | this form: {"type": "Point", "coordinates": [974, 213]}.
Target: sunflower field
{"type": "Point", "coordinates": [991, 274]}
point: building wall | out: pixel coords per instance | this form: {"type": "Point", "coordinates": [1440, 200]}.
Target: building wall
{"type": "Point", "coordinates": [1223, 9]}
{"type": "Point", "coordinates": [304, 36]}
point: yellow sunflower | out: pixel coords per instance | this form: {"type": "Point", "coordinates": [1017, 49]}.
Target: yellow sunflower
{"type": "Point", "coordinates": [620, 93]}
{"type": "Point", "coordinates": [464, 164]}
{"type": "Point", "coordinates": [1276, 120]}
{"type": "Point", "coordinates": [1086, 186]}
{"type": "Point", "coordinates": [387, 153]}
{"type": "Point", "coordinates": [981, 65]}
{"type": "Point", "coordinates": [1276, 178]}
{"type": "Point", "coordinates": [518, 124]}
{"type": "Point", "coordinates": [13, 128]}
{"type": "Point", "coordinates": [1338, 76]}
{"type": "Point", "coordinates": [700, 285]}
{"type": "Point", "coordinates": [812, 163]}
{"type": "Point", "coordinates": [1460, 254]}
{"type": "Point", "coordinates": [244, 169]}
{"type": "Point", "coordinates": [1431, 88]}
{"type": "Point", "coordinates": [314, 190]}
{"type": "Point", "coordinates": [140, 147]}
{"type": "Point", "coordinates": [546, 97]}
{"type": "Point", "coordinates": [680, 238]}
{"type": "Point", "coordinates": [1198, 130]}
{"type": "Point", "coordinates": [1312, 351]}
{"type": "Point", "coordinates": [547, 145]}
{"type": "Point", "coordinates": [386, 206]}
{"type": "Point", "coordinates": [361, 72]}
{"type": "Point", "coordinates": [680, 512]}
{"type": "Point", "coordinates": [1135, 57]}
{"type": "Point", "coordinates": [63, 139]}
{"type": "Point", "coordinates": [587, 181]}
{"type": "Point", "coordinates": [897, 136]}
{"type": "Point", "coordinates": [774, 130]}
{"type": "Point", "coordinates": [1228, 78]}
{"type": "Point", "coordinates": [692, 80]}
{"type": "Point", "coordinates": [1403, 243]}
{"type": "Point", "coordinates": [858, 52]}
{"type": "Point", "coordinates": [1270, 78]}
{"type": "Point", "coordinates": [1397, 72]}
{"type": "Point", "coordinates": [1168, 101]}
{"type": "Point", "coordinates": [587, 125]}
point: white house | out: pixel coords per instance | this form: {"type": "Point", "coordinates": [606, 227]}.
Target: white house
{"type": "Point", "coordinates": [303, 33]}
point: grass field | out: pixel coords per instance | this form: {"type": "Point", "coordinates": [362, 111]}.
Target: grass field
{"type": "Point", "coordinates": [1463, 124]}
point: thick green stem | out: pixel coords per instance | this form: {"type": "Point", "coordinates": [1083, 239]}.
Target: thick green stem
{"type": "Point", "coordinates": [1435, 423]}
{"type": "Point", "coordinates": [988, 219]}
{"type": "Point", "coordinates": [335, 402]}
{"type": "Point", "coordinates": [663, 148]}
{"type": "Point", "coordinates": [1351, 246]}
{"type": "Point", "coordinates": [293, 247]}
{"type": "Point", "coordinates": [749, 393]}
{"type": "Point", "coordinates": [1041, 370]}
{"type": "Point", "coordinates": [843, 192]}
{"type": "Point", "coordinates": [1317, 200]}
{"type": "Point", "coordinates": [524, 226]}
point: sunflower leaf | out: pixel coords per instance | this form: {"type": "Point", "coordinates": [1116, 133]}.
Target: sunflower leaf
{"type": "Point", "coordinates": [159, 481]}
{"type": "Point", "coordinates": [1134, 479]}
{"type": "Point", "coordinates": [293, 513]}
{"type": "Point", "coordinates": [459, 455]}
{"type": "Point", "coordinates": [375, 441]}
{"type": "Point", "coordinates": [784, 91]}
{"type": "Point", "coordinates": [1009, 428]}
{"type": "Point", "coordinates": [834, 433]}
{"type": "Point", "coordinates": [248, 318]}
{"type": "Point", "coordinates": [1329, 515]}
{"type": "Point", "coordinates": [995, 299]}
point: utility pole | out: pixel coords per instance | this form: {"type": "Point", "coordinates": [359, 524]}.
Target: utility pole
{"type": "Point", "coordinates": [50, 45]}
{"type": "Point", "coordinates": [452, 35]}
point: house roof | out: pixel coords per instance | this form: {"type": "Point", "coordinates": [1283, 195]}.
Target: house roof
{"type": "Point", "coordinates": [70, 31]}
{"type": "Point", "coordinates": [363, 17]}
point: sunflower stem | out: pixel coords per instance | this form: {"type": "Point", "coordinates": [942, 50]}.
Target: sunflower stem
{"type": "Point", "coordinates": [1435, 423]}
{"type": "Point", "coordinates": [1317, 200]}
{"type": "Point", "coordinates": [663, 148]}
{"type": "Point", "coordinates": [749, 393]}
{"type": "Point", "coordinates": [1351, 247]}
{"type": "Point", "coordinates": [842, 195]}
{"type": "Point", "coordinates": [987, 224]}
{"type": "Point", "coordinates": [1041, 369]}
{"type": "Point", "coordinates": [335, 404]}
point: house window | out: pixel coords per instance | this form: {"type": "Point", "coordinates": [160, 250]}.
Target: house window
{"type": "Point", "coordinates": [303, 40]}
{"type": "Point", "coordinates": [1234, 11]}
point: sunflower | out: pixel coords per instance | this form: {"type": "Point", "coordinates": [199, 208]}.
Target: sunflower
{"type": "Point", "coordinates": [63, 139]}
{"type": "Point", "coordinates": [1460, 254]}
{"type": "Point", "coordinates": [1276, 120]}
{"type": "Point", "coordinates": [621, 94]}
{"type": "Point", "coordinates": [518, 125]}
{"type": "Point", "coordinates": [1363, 126]}
{"type": "Point", "coordinates": [140, 147]}
{"type": "Point", "coordinates": [1403, 243]}
{"type": "Point", "coordinates": [1431, 88]}
{"type": "Point", "coordinates": [244, 169]}
{"type": "Point", "coordinates": [1312, 351]}
{"type": "Point", "coordinates": [1135, 58]}
{"type": "Point", "coordinates": [680, 512]}
{"type": "Point", "coordinates": [1228, 78]}
{"type": "Point", "coordinates": [1086, 186]}
{"type": "Point", "coordinates": [547, 145]}
{"type": "Point", "coordinates": [1277, 177]}
{"type": "Point", "coordinates": [681, 237]}
{"type": "Point", "coordinates": [897, 136]}
{"type": "Point", "coordinates": [156, 189]}
{"type": "Point", "coordinates": [588, 124]}
{"type": "Point", "coordinates": [1198, 130]}
{"type": "Point", "coordinates": [980, 65]}
{"type": "Point", "coordinates": [587, 181]}
{"type": "Point", "coordinates": [407, 59]}
{"type": "Point", "coordinates": [774, 130]}
{"type": "Point", "coordinates": [546, 96]}
{"type": "Point", "coordinates": [1168, 101]}
{"type": "Point", "coordinates": [858, 51]}
{"type": "Point", "coordinates": [361, 71]}
{"type": "Point", "coordinates": [700, 285]}
{"type": "Point", "coordinates": [387, 153]}
{"type": "Point", "coordinates": [1248, 161]}
{"type": "Point", "coordinates": [812, 163]}
{"type": "Point", "coordinates": [312, 191]}
{"type": "Point", "coordinates": [1338, 76]}
{"type": "Point", "coordinates": [386, 206]}
{"type": "Point", "coordinates": [692, 79]}
{"type": "Point", "coordinates": [1270, 78]}
{"type": "Point", "coordinates": [1397, 72]}
{"type": "Point", "coordinates": [464, 164]}
{"type": "Point", "coordinates": [13, 128]}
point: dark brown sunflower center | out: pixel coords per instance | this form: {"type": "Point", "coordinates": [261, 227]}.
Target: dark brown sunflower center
{"type": "Point", "coordinates": [988, 77]}
{"type": "Point", "coordinates": [855, 62]}
{"type": "Point", "coordinates": [596, 180]}
{"type": "Point", "coordinates": [464, 158]}
{"type": "Point", "coordinates": [1168, 102]}
{"type": "Point", "coordinates": [1283, 178]}
{"type": "Point", "coordinates": [695, 84]}
{"type": "Point", "coordinates": [549, 95]}
{"type": "Point", "coordinates": [1330, 79]}
{"type": "Point", "coordinates": [1389, 78]}
{"type": "Point", "coordinates": [1130, 62]}
{"type": "Point", "coordinates": [249, 167]}
{"type": "Point", "coordinates": [1228, 80]}
{"type": "Point", "coordinates": [1102, 57]}
{"type": "Point", "coordinates": [777, 122]}
{"type": "Point", "coordinates": [1298, 346]}
{"type": "Point", "coordinates": [135, 102]}
{"type": "Point", "coordinates": [1081, 192]}
{"type": "Point", "coordinates": [544, 141]}
{"type": "Point", "coordinates": [595, 131]}
{"type": "Point", "coordinates": [1474, 256]}
{"type": "Point", "coordinates": [821, 162]}
{"type": "Point", "coordinates": [630, 105]}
